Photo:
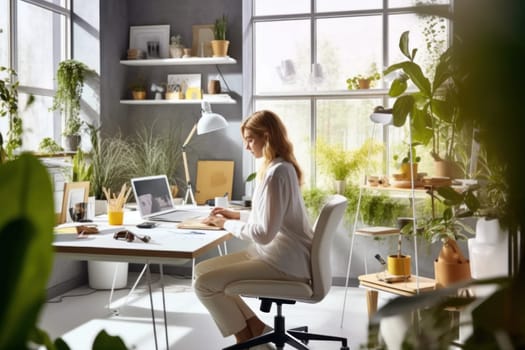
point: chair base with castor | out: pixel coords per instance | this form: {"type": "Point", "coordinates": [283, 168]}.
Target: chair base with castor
{"type": "Point", "coordinates": [296, 337]}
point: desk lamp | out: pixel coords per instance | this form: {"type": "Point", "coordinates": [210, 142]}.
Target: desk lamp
{"type": "Point", "coordinates": [208, 122]}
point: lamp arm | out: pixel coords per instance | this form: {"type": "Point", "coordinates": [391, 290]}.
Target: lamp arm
{"type": "Point", "coordinates": [190, 135]}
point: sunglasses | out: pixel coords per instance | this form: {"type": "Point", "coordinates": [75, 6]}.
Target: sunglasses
{"type": "Point", "coordinates": [130, 236]}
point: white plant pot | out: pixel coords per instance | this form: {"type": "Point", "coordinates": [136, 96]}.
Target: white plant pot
{"type": "Point", "coordinates": [101, 274]}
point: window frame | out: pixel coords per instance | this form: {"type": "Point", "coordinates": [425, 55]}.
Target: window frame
{"type": "Point", "coordinates": [249, 71]}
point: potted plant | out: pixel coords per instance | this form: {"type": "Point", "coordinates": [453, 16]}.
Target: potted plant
{"type": "Point", "coordinates": [220, 45]}
{"type": "Point", "coordinates": [406, 166]}
{"type": "Point", "coordinates": [451, 266]}
{"type": "Point", "coordinates": [70, 83]}
{"type": "Point", "coordinates": [364, 81]}
{"type": "Point", "coordinates": [433, 107]}
{"type": "Point", "coordinates": [138, 89]}
{"type": "Point", "coordinates": [339, 163]}
{"type": "Point", "coordinates": [48, 145]}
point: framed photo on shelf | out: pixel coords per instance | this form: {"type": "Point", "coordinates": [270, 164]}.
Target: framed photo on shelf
{"type": "Point", "coordinates": [75, 198]}
{"type": "Point", "coordinates": [202, 35]}
{"type": "Point", "coordinates": [185, 82]}
{"type": "Point", "coordinates": [153, 40]}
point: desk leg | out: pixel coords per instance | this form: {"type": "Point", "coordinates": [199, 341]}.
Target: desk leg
{"type": "Point", "coordinates": [148, 274]}
{"type": "Point", "coordinates": [164, 305]}
{"type": "Point", "coordinates": [371, 302]}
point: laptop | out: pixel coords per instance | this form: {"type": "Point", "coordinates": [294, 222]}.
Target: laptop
{"type": "Point", "coordinates": [154, 200]}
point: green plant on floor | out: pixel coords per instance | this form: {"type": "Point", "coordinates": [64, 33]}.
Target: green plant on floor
{"type": "Point", "coordinates": [26, 237]}
{"type": "Point", "coordinates": [70, 83]}
{"type": "Point", "coordinates": [110, 162]}
{"type": "Point", "coordinates": [153, 153]}
{"type": "Point", "coordinates": [50, 146]}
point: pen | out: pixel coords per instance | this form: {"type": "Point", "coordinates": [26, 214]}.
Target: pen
{"type": "Point", "coordinates": [380, 259]}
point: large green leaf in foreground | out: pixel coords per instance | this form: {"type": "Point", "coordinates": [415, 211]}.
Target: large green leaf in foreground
{"type": "Point", "coordinates": [26, 234]}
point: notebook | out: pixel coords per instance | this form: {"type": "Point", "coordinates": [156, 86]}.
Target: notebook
{"type": "Point", "coordinates": [154, 200]}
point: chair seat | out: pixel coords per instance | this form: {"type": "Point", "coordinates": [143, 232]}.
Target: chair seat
{"type": "Point", "coordinates": [272, 289]}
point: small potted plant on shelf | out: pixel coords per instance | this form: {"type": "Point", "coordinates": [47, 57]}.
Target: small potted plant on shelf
{"type": "Point", "coordinates": [405, 164]}
{"type": "Point", "coordinates": [49, 146]}
{"type": "Point", "coordinates": [138, 89]}
{"type": "Point", "coordinates": [364, 81]}
{"type": "Point", "coordinates": [70, 83]}
{"type": "Point", "coordinates": [220, 45]}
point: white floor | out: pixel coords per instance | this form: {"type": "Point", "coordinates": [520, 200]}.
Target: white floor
{"type": "Point", "coordinates": [77, 319]}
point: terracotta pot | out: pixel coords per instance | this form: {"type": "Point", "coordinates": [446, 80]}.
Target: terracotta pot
{"type": "Point", "coordinates": [451, 266]}
{"type": "Point", "coordinates": [364, 83]}
{"type": "Point", "coordinates": [447, 168]}
{"type": "Point", "coordinates": [138, 95]}
{"type": "Point", "coordinates": [405, 170]}
{"type": "Point", "coordinates": [220, 48]}
{"type": "Point", "coordinates": [398, 265]}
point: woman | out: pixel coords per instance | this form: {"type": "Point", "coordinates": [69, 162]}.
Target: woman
{"type": "Point", "coordinates": [277, 225]}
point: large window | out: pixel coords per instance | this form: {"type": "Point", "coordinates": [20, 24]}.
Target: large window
{"type": "Point", "coordinates": [35, 42]}
{"type": "Point", "coordinates": [344, 39]}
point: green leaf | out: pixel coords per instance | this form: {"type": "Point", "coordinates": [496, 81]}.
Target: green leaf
{"type": "Point", "coordinates": [402, 107]}
{"type": "Point", "coordinates": [399, 86]}
{"type": "Point", "coordinates": [251, 177]}
{"type": "Point", "coordinates": [104, 341]}
{"type": "Point", "coordinates": [403, 45]}
{"type": "Point", "coordinates": [414, 72]}
{"type": "Point", "coordinates": [471, 201]}
{"type": "Point", "coordinates": [447, 214]}
{"type": "Point", "coordinates": [450, 194]}
{"type": "Point", "coordinates": [26, 236]}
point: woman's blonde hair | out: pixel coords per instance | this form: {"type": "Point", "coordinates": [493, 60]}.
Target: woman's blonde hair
{"type": "Point", "coordinates": [268, 125]}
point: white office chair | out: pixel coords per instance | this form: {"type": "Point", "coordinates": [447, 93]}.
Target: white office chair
{"type": "Point", "coordinates": [288, 292]}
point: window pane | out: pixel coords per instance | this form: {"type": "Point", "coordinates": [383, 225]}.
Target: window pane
{"type": "Point", "coordinates": [38, 54]}
{"type": "Point", "coordinates": [346, 122]}
{"type": "Point", "coordinates": [295, 115]}
{"type": "Point", "coordinates": [347, 5]}
{"type": "Point", "coordinates": [282, 56]}
{"type": "Point", "coordinates": [279, 7]}
{"type": "Point", "coordinates": [407, 3]}
{"type": "Point", "coordinates": [4, 33]}
{"type": "Point", "coordinates": [427, 33]}
{"type": "Point", "coordinates": [347, 47]}
{"type": "Point", "coordinates": [38, 121]}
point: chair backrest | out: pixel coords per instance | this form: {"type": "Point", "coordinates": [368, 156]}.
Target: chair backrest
{"type": "Point", "coordinates": [324, 230]}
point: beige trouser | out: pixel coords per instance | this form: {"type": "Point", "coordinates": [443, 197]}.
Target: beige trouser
{"type": "Point", "coordinates": [213, 275]}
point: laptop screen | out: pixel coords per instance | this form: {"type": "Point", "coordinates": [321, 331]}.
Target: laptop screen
{"type": "Point", "coordinates": [152, 194]}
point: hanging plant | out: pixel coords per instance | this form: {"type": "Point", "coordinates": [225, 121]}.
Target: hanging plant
{"type": "Point", "coordinates": [9, 108]}
{"type": "Point", "coordinates": [70, 83]}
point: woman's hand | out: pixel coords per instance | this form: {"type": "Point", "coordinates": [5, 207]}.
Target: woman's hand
{"type": "Point", "coordinates": [226, 213]}
{"type": "Point", "coordinates": [215, 221]}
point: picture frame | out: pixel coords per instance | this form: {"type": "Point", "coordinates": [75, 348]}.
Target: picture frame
{"type": "Point", "coordinates": [186, 82]}
{"type": "Point", "coordinates": [202, 35]}
{"type": "Point", "coordinates": [139, 36]}
{"type": "Point", "coordinates": [74, 192]}
{"type": "Point", "coordinates": [214, 178]}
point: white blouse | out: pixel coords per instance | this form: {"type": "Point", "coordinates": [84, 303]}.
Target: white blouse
{"type": "Point", "coordinates": [278, 222]}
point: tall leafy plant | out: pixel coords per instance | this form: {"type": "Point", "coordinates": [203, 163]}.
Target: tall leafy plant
{"type": "Point", "coordinates": [219, 28]}
{"type": "Point", "coordinates": [434, 107]}
{"type": "Point", "coordinates": [70, 83]}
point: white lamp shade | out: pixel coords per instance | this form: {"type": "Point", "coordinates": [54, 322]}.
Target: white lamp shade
{"type": "Point", "coordinates": [210, 121]}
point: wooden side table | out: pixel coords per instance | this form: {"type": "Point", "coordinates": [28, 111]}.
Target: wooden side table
{"type": "Point", "coordinates": [407, 288]}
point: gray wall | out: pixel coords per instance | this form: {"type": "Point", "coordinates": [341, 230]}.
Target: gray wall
{"type": "Point", "coordinates": [116, 17]}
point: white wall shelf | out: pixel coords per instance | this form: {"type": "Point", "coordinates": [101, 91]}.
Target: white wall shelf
{"type": "Point", "coordinates": [213, 99]}
{"type": "Point", "coordinates": [179, 61]}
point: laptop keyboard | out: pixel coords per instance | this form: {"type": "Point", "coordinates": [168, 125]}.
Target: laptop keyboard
{"type": "Point", "coordinates": [176, 216]}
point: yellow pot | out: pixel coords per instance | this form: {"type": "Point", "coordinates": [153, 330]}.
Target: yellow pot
{"type": "Point", "coordinates": [405, 170]}
{"type": "Point", "coordinates": [220, 48]}
{"type": "Point", "coordinates": [398, 265]}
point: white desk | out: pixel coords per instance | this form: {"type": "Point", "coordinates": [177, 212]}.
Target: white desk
{"type": "Point", "coordinates": [166, 245]}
